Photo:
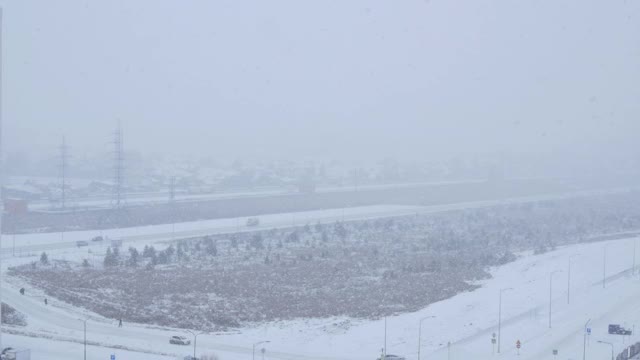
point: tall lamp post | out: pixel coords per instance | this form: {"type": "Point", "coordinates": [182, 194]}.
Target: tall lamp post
{"type": "Point", "coordinates": [385, 337]}
{"type": "Point", "coordinates": [256, 344]}
{"type": "Point", "coordinates": [195, 341]}
{"type": "Point", "coordinates": [610, 344]}
{"type": "Point", "coordinates": [584, 344]}
{"type": "Point", "coordinates": [604, 266]}
{"type": "Point", "coordinates": [1, 168]}
{"type": "Point", "coordinates": [85, 337]}
{"type": "Point", "coordinates": [569, 279]}
{"type": "Point", "coordinates": [633, 268]}
{"type": "Point", "coordinates": [551, 292]}
{"type": "Point", "coordinates": [500, 315]}
{"type": "Point", "coordinates": [420, 333]}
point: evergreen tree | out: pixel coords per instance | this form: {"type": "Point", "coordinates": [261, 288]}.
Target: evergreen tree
{"type": "Point", "coordinates": [133, 257]}
{"type": "Point", "coordinates": [110, 259]}
{"type": "Point", "coordinates": [44, 259]}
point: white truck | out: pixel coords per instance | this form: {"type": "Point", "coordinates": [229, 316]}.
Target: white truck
{"type": "Point", "coordinates": [16, 354]}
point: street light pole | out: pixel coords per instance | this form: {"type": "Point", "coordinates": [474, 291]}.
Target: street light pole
{"type": "Point", "coordinates": [500, 315]}
{"type": "Point", "coordinates": [610, 344]}
{"type": "Point", "coordinates": [569, 280]}
{"type": "Point", "coordinates": [85, 338]}
{"type": "Point", "coordinates": [385, 336]}
{"type": "Point", "coordinates": [584, 345]}
{"type": "Point", "coordinates": [604, 267]}
{"type": "Point", "coordinates": [633, 269]}
{"type": "Point", "coordinates": [1, 169]}
{"type": "Point", "coordinates": [195, 341]}
{"type": "Point", "coordinates": [254, 348]}
{"type": "Point", "coordinates": [420, 333]}
{"type": "Point", "coordinates": [551, 292]}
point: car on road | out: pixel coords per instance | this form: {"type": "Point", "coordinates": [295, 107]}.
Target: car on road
{"type": "Point", "coordinates": [392, 357]}
{"type": "Point", "coordinates": [81, 243]}
{"type": "Point", "coordinates": [253, 222]}
{"type": "Point", "coordinates": [179, 340]}
{"type": "Point", "coordinates": [15, 354]}
{"type": "Point", "coordinates": [97, 239]}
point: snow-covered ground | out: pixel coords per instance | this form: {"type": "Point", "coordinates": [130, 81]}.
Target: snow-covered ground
{"type": "Point", "coordinates": [51, 241]}
{"type": "Point", "coordinates": [106, 201]}
{"type": "Point", "coordinates": [466, 320]}
{"type": "Point", "coordinates": [27, 243]}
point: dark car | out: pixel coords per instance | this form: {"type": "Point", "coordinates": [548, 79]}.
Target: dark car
{"type": "Point", "coordinates": [97, 239]}
{"type": "Point", "coordinates": [179, 340]}
{"type": "Point", "coordinates": [82, 243]}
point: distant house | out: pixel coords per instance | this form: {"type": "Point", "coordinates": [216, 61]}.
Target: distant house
{"type": "Point", "coordinates": [25, 192]}
{"type": "Point", "coordinates": [16, 206]}
{"type": "Point", "coordinates": [100, 187]}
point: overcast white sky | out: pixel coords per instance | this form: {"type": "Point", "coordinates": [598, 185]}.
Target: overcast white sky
{"type": "Point", "coordinates": [323, 79]}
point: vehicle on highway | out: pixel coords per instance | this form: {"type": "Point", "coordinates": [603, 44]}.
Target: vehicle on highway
{"type": "Point", "coordinates": [97, 239]}
{"type": "Point", "coordinates": [615, 329]}
{"type": "Point", "coordinates": [179, 340]}
{"type": "Point", "coordinates": [15, 354]}
{"type": "Point", "coordinates": [81, 243]}
{"type": "Point", "coordinates": [392, 357]}
{"type": "Point", "coordinates": [253, 222]}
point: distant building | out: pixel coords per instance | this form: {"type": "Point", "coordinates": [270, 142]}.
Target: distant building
{"type": "Point", "coordinates": [25, 191]}
{"type": "Point", "coordinates": [16, 206]}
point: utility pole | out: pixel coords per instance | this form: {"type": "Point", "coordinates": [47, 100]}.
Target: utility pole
{"type": "Point", "coordinates": [633, 269]}
{"type": "Point", "coordinates": [500, 315]}
{"type": "Point", "coordinates": [85, 338]}
{"type": "Point", "coordinates": [551, 292]}
{"type": "Point", "coordinates": [195, 341]}
{"type": "Point", "coordinates": [569, 280]}
{"type": "Point", "coordinates": [420, 333]}
{"type": "Point", "coordinates": [254, 348]}
{"type": "Point", "coordinates": [584, 344]}
{"type": "Point", "coordinates": [610, 344]}
{"type": "Point", "coordinates": [604, 267]}
{"type": "Point", "coordinates": [1, 171]}
{"type": "Point", "coordinates": [172, 198]}
{"type": "Point", "coordinates": [64, 156]}
{"type": "Point", "coordinates": [172, 189]}
{"type": "Point", "coordinates": [118, 166]}
{"type": "Point", "coordinates": [385, 336]}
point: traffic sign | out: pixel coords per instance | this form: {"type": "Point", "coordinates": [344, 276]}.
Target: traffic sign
{"type": "Point", "coordinates": [588, 331]}
{"type": "Point", "coordinates": [555, 352]}
{"type": "Point", "coordinates": [494, 335]}
{"type": "Point", "coordinates": [113, 357]}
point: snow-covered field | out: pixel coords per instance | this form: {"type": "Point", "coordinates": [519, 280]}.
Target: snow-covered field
{"type": "Point", "coordinates": [466, 320]}
{"type": "Point", "coordinates": [98, 202]}
{"type": "Point", "coordinates": [24, 244]}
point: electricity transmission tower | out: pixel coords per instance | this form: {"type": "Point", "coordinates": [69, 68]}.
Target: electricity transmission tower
{"type": "Point", "coordinates": [64, 157]}
{"type": "Point", "coordinates": [172, 189]}
{"type": "Point", "coordinates": [118, 167]}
